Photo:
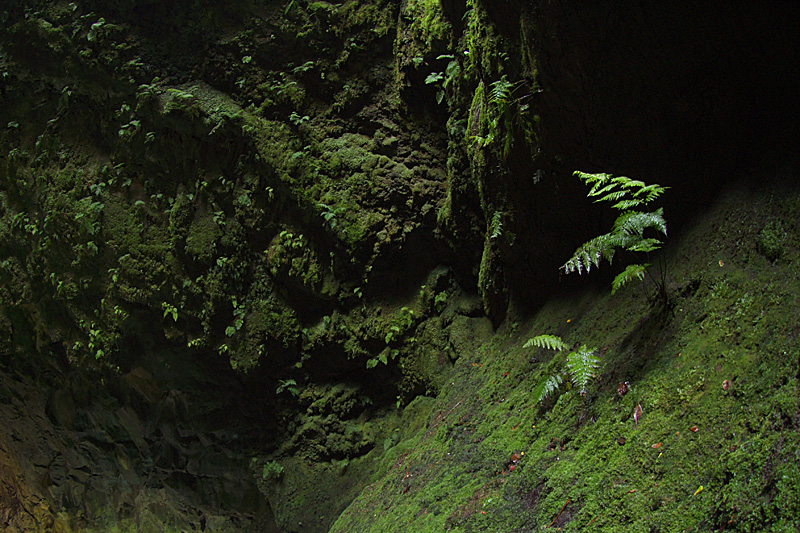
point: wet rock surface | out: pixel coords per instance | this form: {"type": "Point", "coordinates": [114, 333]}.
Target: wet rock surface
{"type": "Point", "coordinates": [72, 456]}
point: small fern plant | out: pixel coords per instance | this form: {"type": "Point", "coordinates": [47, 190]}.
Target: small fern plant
{"type": "Point", "coordinates": [496, 112]}
{"type": "Point", "coordinates": [628, 232]}
{"type": "Point", "coordinates": [581, 366]}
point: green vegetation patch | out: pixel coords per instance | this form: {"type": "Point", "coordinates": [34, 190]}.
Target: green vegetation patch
{"type": "Point", "coordinates": [426, 20]}
{"type": "Point", "coordinates": [204, 233]}
{"type": "Point", "coordinates": [691, 420]}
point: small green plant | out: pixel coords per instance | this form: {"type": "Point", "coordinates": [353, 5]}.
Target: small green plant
{"type": "Point", "coordinates": [296, 119]}
{"type": "Point", "coordinates": [581, 366]}
{"type": "Point", "coordinates": [497, 112]}
{"type": "Point", "coordinates": [401, 322]}
{"type": "Point", "coordinates": [287, 385]}
{"type": "Point", "coordinates": [442, 80]}
{"type": "Point", "coordinates": [440, 301]}
{"type": "Point", "coordinates": [170, 310]}
{"type": "Point", "coordinates": [628, 232]}
{"type": "Point", "coordinates": [384, 357]}
{"type": "Point", "coordinates": [330, 213]}
{"type": "Point", "coordinates": [272, 471]}
{"type": "Point", "coordinates": [239, 311]}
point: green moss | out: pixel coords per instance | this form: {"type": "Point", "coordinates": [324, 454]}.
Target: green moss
{"type": "Point", "coordinates": [491, 282]}
{"type": "Point", "coordinates": [702, 455]}
{"type": "Point", "coordinates": [270, 336]}
{"type": "Point", "coordinates": [348, 153]}
{"type": "Point", "coordinates": [771, 240]}
{"type": "Point", "coordinates": [477, 124]}
{"type": "Point", "coordinates": [176, 100]}
{"type": "Point", "coordinates": [202, 237]}
{"type": "Point", "coordinates": [280, 94]}
{"type": "Point", "coordinates": [371, 16]}
{"type": "Point", "coordinates": [291, 257]}
{"type": "Point", "coordinates": [426, 21]}
{"type": "Point", "coordinates": [482, 42]}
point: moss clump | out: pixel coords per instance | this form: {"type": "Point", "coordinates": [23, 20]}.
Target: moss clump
{"type": "Point", "coordinates": [478, 122]}
{"type": "Point", "coordinates": [426, 22]}
{"type": "Point", "coordinates": [268, 335]}
{"type": "Point", "coordinates": [202, 237]}
{"type": "Point", "coordinates": [482, 42]}
{"type": "Point", "coordinates": [291, 257]}
{"type": "Point", "coordinates": [771, 239]}
{"type": "Point", "coordinates": [491, 282]}
{"type": "Point", "coordinates": [346, 154]}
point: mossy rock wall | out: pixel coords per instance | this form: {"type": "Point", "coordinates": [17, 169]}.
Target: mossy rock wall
{"type": "Point", "coordinates": [322, 212]}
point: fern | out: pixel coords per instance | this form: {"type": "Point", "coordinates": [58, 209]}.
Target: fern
{"type": "Point", "coordinates": [581, 365]}
{"type": "Point", "coordinates": [603, 184]}
{"type": "Point", "coordinates": [629, 274]}
{"type": "Point", "coordinates": [493, 115]}
{"type": "Point", "coordinates": [500, 93]}
{"type": "Point", "coordinates": [496, 226]}
{"type": "Point", "coordinates": [634, 222]}
{"type": "Point", "coordinates": [552, 342]}
{"type": "Point", "coordinates": [591, 253]}
{"type": "Point", "coordinates": [628, 231]}
{"type": "Point", "coordinates": [547, 386]}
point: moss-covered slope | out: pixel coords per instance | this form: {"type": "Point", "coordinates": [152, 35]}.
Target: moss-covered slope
{"type": "Point", "coordinates": [716, 379]}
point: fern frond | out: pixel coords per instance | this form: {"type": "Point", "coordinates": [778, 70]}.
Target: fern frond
{"type": "Point", "coordinates": [581, 365]}
{"type": "Point", "coordinates": [630, 184]}
{"type": "Point", "coordinates": [500, 92]}
{"type": "Point", "coordinates": [614, 196]}
{"type": "Point", "coordinates": [635, 222]}
{"type": "Point", "coordinates": [605, 186]}
{"type": "Point", "coordinates": [629, 274]}
{"type": "Point", "coordinates": [650, 192]}
{"type": "Point", "coordinates": [552, 342]}
{"type": "Point", "coordinates": [590, 179]}
{"type": "Point", "coordinates": [645, 245]}
{"type": "Point", "coordinates": [627, 204]}
{"type": "Point", "coordinates": [591, 253]}
{"type": "Point", "coordinates": [496, 226]}
{"type": "Point", "coordinates": [547, 386]}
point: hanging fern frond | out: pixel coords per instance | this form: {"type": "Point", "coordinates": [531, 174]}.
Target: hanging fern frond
{"type": "Point", "coordinates": [645, 245]}
{"type": "Point", "coordinates": [591, 253]}
{"type": "Point", "coordinates": [635, 222]}
{"type": "Point", "coordinates": [650, 192]}
{"type": "Point", "coordinates": [627, 204]}
{"type": "Point", "coordinates": [629, 274]}
{"type": "Point", "coordinates": [500, 92]}
{"type": "Point", "coordinates": [616, 195]}
{"type": "Point", "coordinates": [582, 365]}
{"type": "Point", "coordinates": [603, 184]}
{"type": "Point", "coordinates": [547, 386]}
{"type": "Point", "coordinates": [552, 342]}
{"type": "Point", "coordinates": [496, 226]}
{"type": "Point", "coordinates": [596, 181]}
{"type": "Point", "coordinates": [629, 183]}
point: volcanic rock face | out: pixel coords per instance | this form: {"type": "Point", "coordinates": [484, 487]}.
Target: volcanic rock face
{"type": "Point", "coordinates": [75, 456]}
